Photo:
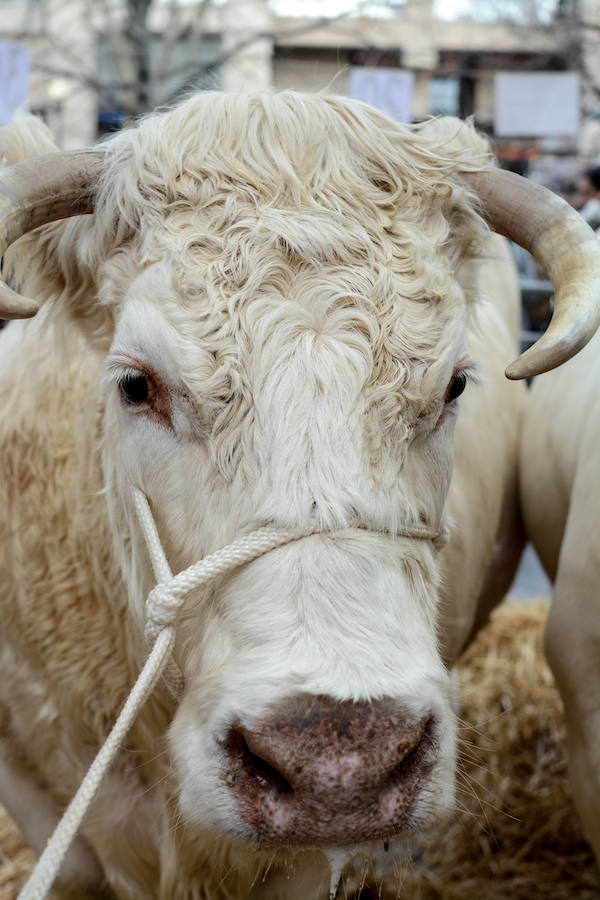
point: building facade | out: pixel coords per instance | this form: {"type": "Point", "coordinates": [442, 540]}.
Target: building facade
{"type": "Point", "coordinates": [93, 67]}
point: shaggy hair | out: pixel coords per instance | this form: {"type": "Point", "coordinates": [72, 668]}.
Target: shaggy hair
{"type": "Point", "coordinates": [281, 197]}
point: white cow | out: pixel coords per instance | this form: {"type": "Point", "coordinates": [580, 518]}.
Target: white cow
{"type": "Point", "coordinates": [268, 320]}
{"type": "Point", "coordinates": [560, 485]}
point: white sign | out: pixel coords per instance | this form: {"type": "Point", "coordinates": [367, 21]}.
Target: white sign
{"type": "Point", "coordinates": [390, 90]}
{"type": "Point", "coordinates": [14, 78]}
{"type": "Point", "coordinates": [537, 104]}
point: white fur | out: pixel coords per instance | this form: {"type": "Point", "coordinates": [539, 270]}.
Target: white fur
{"type": "Point", "coordinates": [285, 265]}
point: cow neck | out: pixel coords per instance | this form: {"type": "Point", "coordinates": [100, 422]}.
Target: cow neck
{"type": "Point", "coordinates": [162, 607]}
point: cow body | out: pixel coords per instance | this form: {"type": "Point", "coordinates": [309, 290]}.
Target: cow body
{"type": "Point", "coordinates": [561, 497]}
{"type": "Point", "coordinates": [247, 350]}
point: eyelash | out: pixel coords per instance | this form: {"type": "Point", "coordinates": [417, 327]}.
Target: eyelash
{"type": "Point", "coordinates": [136, 387]}
{"type": "Point", "coordinates": [456, 386]}
{"type": "Point", "coordinates": [460, 378]}
{"type": "Point", "coordinates": [142, 392]}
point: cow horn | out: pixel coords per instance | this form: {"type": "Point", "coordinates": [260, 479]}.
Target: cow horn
{"type": "Point", "coordinates": [38, 191]}
{"type": "Point", "coordinates": [564, 245]}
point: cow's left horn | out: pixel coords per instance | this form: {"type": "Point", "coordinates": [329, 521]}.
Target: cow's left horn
{"type": "Point", "coordinates": [566, 247]}
{"type": "Point", "coordinates": [38, 191]}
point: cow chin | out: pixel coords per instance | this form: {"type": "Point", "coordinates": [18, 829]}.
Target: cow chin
{"type": "Point", "coordinates": [314, 771]}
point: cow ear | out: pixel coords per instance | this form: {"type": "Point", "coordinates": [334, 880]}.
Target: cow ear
{"type": "Point", "coordinates": [39, 184]}
{"type": "Point", "coordinates": [51, 255]}
{"type": "Point", "coordinates": [58, 265]}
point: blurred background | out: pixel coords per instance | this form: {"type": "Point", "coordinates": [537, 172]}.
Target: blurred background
{"type": "Point", "coordinates": [527, 70]}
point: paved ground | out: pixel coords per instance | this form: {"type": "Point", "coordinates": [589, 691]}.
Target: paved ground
{"type": "Point", "coordinates": [530, 580]}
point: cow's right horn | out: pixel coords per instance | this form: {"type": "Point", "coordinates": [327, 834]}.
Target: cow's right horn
{"type": "Point", "coordinates": [38, 191]}
{"type": "Point", "coordinates": [566, 247]}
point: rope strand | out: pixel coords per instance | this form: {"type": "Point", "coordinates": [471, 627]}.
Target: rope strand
{"type": "Point", "coordinates": [50, 861]}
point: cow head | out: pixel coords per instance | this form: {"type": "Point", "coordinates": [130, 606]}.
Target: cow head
{"type": "Point", "coordinates": [285, 345]}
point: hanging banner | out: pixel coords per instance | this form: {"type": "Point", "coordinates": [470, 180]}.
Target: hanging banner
{"type": "Point", "coordinates": [536, 104]}
{"type": "Point", "coordinates": [390, 90]}
{"type": "Point", "coordinates": [14, 77]}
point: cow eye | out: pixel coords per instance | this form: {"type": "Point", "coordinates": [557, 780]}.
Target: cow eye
{"type": "Point", "coordinates": [458, 382]}
{"type": "Point", "coordinates": [135, 387]}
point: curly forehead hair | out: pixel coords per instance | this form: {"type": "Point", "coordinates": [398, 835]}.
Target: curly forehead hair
{"type": "Point", "coordinates": [259, 186]}
{"type": "Point", "coordinates": [292, 152]}
{"type": "Point", "coordinates": [256, 201]}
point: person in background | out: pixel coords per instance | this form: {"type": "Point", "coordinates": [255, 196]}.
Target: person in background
{"type": "Point", "coordinates": [589, 196]}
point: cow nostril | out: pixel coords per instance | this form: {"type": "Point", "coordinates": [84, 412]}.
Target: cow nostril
{"type": "Point", "coordinates": [254, 767]}
{"type": "Point", "coordinates": [414, 757]}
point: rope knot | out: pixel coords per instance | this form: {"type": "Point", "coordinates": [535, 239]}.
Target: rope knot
{"type": "Point", "coordinates": [162, 607]}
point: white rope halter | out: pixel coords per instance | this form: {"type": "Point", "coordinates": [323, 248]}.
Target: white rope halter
{"type": "Point", "coordinates": [162, 607]}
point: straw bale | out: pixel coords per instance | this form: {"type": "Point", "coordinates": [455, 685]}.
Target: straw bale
{"type": "Point", "coordinates": [515, 833]}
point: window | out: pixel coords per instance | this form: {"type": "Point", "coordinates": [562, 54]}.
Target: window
{"type": "Point", "coordinates": [181, 65]}
{"type": "Point", "coordinates": [444, 96]}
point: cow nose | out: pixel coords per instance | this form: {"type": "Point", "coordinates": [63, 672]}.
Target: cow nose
{"type": "Point", "coordinates": [324, 772]}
